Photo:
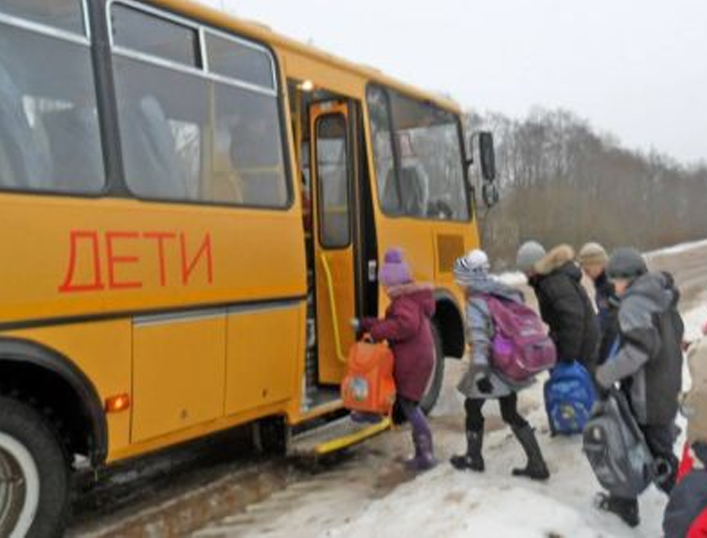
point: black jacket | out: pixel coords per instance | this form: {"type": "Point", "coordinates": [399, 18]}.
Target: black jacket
{"type": "Point", "coordinates": [607, 314]}
{"type": "Point", "coordinates": [566, 308]}
{"type": "Point", "coordinates": [649, 361]}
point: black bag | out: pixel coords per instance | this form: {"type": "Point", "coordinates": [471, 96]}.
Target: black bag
{"type": "Point", "coordinates": [616, 448]}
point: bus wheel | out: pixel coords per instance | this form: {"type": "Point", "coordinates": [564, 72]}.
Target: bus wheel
{"type": "Point", "coordinates": [34, 478]}
{"type": "Point", "coordinates": [434, 385]}
{"type": "Point", "coordinates": [271, 436]}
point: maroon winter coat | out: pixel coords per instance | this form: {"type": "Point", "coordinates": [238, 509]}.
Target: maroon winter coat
{"type": "Point", "coordinates": [406, 327]}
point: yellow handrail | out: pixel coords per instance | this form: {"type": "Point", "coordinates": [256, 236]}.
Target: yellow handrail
{"type": "Point", "coordinates": [332, 306]}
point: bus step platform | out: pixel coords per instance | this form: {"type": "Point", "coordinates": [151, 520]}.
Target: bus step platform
{"type": "Point", "coordinates": [334, 436]}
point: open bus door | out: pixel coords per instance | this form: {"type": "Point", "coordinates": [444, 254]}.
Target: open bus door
{"type": "Point", "coordinates": [342, 251]}
{"type": "Point", "coordinates": [334, 256]}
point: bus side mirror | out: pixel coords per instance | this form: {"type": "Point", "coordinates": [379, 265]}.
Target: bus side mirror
{"type": "Point", "coordinates": [487, 156]}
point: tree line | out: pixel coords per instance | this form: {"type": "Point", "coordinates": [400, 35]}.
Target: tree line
{"type": "Point", "coordinates": [563, 182]}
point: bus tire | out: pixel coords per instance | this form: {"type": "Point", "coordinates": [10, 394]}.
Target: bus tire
{"type": "Point", "coordinates": [34, 475]}
{"type": "Point", "coordinates": [437, 378]}
{"type": "Point", "coordinates": [271, 436]}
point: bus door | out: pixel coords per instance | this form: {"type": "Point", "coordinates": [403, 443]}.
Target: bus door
{"type": "Point", "coordinates": [332, 173]}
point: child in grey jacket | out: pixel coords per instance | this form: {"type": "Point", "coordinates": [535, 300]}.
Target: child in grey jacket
{"type": "Point", "coordinates": [481, 383]}
{"type": "Point", "coordinates": [648, 365]}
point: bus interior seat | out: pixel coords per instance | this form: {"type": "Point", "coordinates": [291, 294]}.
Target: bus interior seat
{"type": "Point", "coordinates": [390, 199]}
{"type": "Point", "coordinates": [259, 172]}
{"type": "Point", "coordinates": [414, 191]}
{"type": "Point", "coordinates": [149, 146]}
{"type": "Point", "coordinates": [22, 163]}
{"type": "Point", "coordinates": [75, 143]}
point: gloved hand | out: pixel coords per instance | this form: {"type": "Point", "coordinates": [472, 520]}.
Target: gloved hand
{"type": "Point", "coordinates": [601, 376]}
{"type": "Point", "coordinates": [484, 385]}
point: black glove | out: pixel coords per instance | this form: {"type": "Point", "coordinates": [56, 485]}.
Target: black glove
{"type": "Point", "coordinates": [484, 385]}
{"type": "Point", "coordinates": [602, 393]}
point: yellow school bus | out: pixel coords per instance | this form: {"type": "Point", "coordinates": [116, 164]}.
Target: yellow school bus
{"type": "Point", "coordinates": [192, 209]}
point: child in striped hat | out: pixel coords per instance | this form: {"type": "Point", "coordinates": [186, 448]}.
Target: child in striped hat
{"type": "Point", "coordinates": [481, 382]}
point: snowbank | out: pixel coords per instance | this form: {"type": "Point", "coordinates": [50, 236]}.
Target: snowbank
{"type": "Point", "coordinates": [677, 249]}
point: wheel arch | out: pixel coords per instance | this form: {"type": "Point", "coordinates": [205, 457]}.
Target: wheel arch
{"type": "Point", "coordinates": [47, 378]}
{"type": "Point", "coordinates": [450, 323]}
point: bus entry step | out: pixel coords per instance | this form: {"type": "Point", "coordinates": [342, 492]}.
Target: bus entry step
{"type": "Point", "coordinates": [336, 435]}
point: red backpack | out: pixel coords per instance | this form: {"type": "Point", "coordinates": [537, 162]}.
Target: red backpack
{"type": "Point", "coordinates": [369, 386]}
{"type": "Point", "coordinates": [520, 347]}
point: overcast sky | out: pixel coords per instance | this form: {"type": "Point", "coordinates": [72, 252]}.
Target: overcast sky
{"type": "Point", "coordinates": [635, 68]}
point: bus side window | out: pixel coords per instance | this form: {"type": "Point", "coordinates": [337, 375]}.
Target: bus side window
{"type": "Point", "coordinates": [46, 77]}
{"type": "Point", "coordinates": [151, 161]}
{"type": "Point", "coordinates": [255, 148]}
{"type": "Point", "coordinates": [66, 130]}
{"type": "Point", "coordinates": [19, 166]}
{"type": "Point", "coordinates": [193, 135]}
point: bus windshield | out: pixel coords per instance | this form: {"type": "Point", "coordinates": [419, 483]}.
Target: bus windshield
{"type": "Point", "coordinates": [424, 176]}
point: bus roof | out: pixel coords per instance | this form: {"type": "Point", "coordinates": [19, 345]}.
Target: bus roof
{"type": "Point", "coordinates": [263, 33]}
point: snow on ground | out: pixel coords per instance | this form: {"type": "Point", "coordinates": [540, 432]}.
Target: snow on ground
{"type": "Point", "coordinates": [693, 322]}
{"type": "Point", "coordinates": [677, 249]}
{"type": "Point", "coordinates": [445, 502]}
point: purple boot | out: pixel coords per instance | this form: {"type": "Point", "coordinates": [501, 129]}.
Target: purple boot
{"type": "Point", "coordinates": [424, 458]}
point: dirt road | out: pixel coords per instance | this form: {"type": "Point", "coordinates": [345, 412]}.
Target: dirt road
{"type": "Point", "coordinates": [221, 489]}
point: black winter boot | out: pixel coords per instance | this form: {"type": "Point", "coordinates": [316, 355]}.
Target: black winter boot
{"type": "Point", "coordinates": [473, 459]}
{"type": "Point", "coordinates": [536, 467]}
{"type": "Point", "coordinates": [626, 509]}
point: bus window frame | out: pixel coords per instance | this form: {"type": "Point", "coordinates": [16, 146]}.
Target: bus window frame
{"type": "Point", "coordinates": [396, 158]}
{"type": "Point", "coordinates": [47, 29]}
{"type": "Point", "coordinates": [81, 39]}
{"type": "Point", "coordinates": [204, 30]}
{"type": "Point", "coordinates": [349, 200]}
{"type": "Point", "coordinates": [204, 73]}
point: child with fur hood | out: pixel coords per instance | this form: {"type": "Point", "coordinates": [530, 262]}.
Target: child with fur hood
{"type": "Point", "coordinates": [481, 383]}
{"type": "Point", "coordinates": [406, 327]}
{"type": "Point", "coordinates": [564, 303]}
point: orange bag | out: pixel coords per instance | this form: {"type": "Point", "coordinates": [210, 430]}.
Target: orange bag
{"type": "Point", "coordinates": [369, 386]}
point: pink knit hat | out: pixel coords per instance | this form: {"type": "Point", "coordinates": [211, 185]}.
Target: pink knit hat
{"type": "Point", "coordinates": [395, 270]}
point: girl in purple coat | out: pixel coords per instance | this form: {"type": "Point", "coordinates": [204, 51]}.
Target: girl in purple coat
{"type": "Point", "coordinates": [406, 327]}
